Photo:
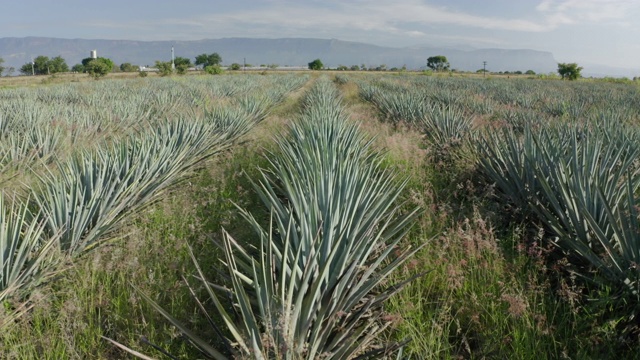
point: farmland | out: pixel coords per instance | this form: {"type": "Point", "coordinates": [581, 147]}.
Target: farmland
{"type": "Point", "coordinates": [341, 213]}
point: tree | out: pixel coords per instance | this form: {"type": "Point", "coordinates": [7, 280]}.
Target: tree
{"type": "Point", "coordinates": [164, 68]}
{"type": "Point", "coordinates": [530, 72]}
{"type": "Point", "coordinates": [208, 60]}
{"type": "Point", "coordinates": [97, 68]}
{"type": "Point", "coordinates": [42, 65]}
{"type": "Point", "coordinates": [438, 63]}
{"type": "Point", "coordinates": [79, 68]}
{"type": "Point", "coordinates": [128, 67]}
{"type": "Point", "coordinates": [57, 65]}
{"type": "Point", "coordinates": [1, 67]}
{"type": "Point", "coordinates": [182, 65]}
{"type": "Point", "coordinates": [182, 61]}
{"type": "Point", "coordinates": [108, 62]}
{"type": "Point", "coordinates": [235, 66]}
{"type": "Point", "coordinates": [316, 65]}
{"type": "Point", "coordinates": [355, 68]}
{"type": "Point", "coordinates": [569, 71]}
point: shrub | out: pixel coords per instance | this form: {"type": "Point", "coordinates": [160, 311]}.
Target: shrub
{"type": "Point", "coordinates": [213, 69]}
{"type": "Point", "coordinates": [164, 68]}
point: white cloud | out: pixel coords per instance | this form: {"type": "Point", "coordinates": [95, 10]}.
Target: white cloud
{"type": "Point", "coordinates": [375, 15]}
{"type": "Point", "coordinates": [587, 11]}
{"type": "Point", "coordinates": [374, 20]}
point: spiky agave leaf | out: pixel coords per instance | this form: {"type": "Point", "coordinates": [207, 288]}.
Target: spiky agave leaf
{"type": "Point", "coordinates": [313, 284]}
{"type": "Point", "coordinates": [580, 182]}
{"type": "Point", "coordinates": [23, 252]}
{"type": "Point", "coordinates": [331, 244]}
{"type": "Point", "coordinates": [90, 194]}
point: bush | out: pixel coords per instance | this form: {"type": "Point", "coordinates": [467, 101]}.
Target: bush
{"type": "Point", "coordinates": [182, 69]}
{"type": "Point", "coordinates": [235, 66]}
{"type": "Point", "coordinates": [164, 68]}
{"type": "Point", "coordinates": [213, 69]}
{"type": "Point", "coordinates": [128, 67]}
{"type": "Point", "coordinates": [142, 73]}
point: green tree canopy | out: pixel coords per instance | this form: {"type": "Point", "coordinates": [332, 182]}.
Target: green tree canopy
{"type": "Point", "coordinates": [316, 65]}
{"type": "Point", "coordinates": [98, 67]}
{"type": "Point", "coordinates": [182, 61]}
{"type": "Point", "coordinates": [128, 67]}
{"type": "Point", "coordinates": [57, 65]}
{"type": "Point", "coordinates": [438, 63]}
{"type": "Point", "coordinates": [208, 60]}
{"type": "Point", "coordinates": [235, 66]}
{"type": "Point", "coordinates": [78, 68]}
{"type": "Point", "coordinates": [42, 65]}
{"type": "Point", "coordinates": [569, 71]}
{"type": "Point", "coordinates": [1, 67]}
{"type": "Point", "coordinates": [107, 61]}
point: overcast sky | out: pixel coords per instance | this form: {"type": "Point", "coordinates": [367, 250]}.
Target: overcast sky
{"type": "Point", "coordinates": [584, 31]}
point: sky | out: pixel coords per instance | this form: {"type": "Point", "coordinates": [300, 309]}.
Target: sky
{"type": "Point", "coordinates": [605, 32]}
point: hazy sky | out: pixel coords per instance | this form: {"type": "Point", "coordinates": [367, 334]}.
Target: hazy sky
{"type": "Point", "coordinates": [584, 31]}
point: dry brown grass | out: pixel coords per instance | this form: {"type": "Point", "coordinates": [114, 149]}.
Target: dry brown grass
{"type": "Point", "coordinates": [404, 145]}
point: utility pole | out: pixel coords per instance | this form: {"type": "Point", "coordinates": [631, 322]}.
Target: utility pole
{"type": "Point", "coordinates": [173, 58]}
{"type": "Point", "coordinates": [244, 64]}
{"type": "Point", "coordinates": [484, 68]}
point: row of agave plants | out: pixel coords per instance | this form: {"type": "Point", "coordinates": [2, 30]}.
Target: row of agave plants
{"type": "Point", "coordinates": [39, 124]}
{"type": "Point", "coordinates": [408, 99]}
{"type": "Point", "coordinates": [571, 162]}
{"type": "Point", "coordinates": [79, 201]}
{"type": "Point", "coordinates": [582, 183]}
{"type": "Point", "coordinates": [312, 282]}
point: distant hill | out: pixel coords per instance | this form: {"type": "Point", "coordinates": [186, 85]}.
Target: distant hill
{"type": "Point", "coordinates": [290, 51]}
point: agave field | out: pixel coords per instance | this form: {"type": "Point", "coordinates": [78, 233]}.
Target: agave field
{"type": "Point", "coordinates": [320, 217]}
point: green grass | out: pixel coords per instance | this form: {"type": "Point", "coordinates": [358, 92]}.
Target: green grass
{"type": "Point", "coordinates": [93, 297]}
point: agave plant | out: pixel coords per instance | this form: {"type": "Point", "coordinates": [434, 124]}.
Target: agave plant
{"type": "Point", "coordinates": [590, 200]}
{"type": "Point", "coordinates": [580, 182]}
{"type": "Point", "coordinates": [89, 195]}
{"type": "Point", "coordinates": [314, 283]}
{"type": "Point", "coordinates": [84, 200]}
{"type": "Point", "coordinates": [23, 252]}
{"type": "Point", "coordinates": [446, 125]}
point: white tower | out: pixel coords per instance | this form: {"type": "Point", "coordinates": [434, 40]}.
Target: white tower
{"type": "Point", "coordinates": [94, 54]}
{"type": "Point", "coordinates": [173, 58]}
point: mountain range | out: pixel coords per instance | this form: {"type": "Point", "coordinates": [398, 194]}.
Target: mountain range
{"type": "Point", "coordinates": [288, 51]}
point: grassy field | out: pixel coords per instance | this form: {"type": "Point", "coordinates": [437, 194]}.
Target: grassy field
{"type": "Point", "coordinates": [510, 204]}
